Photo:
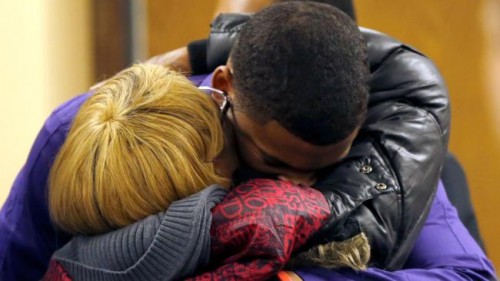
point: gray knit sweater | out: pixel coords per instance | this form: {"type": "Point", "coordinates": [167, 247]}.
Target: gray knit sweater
{"type": "Point", "coordinates": [166, 246]}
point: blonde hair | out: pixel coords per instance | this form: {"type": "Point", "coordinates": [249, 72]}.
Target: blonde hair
{"type": "Point", "coordinates": [351, 253]}
{"type": "Point", "coordinates": [145, 138]}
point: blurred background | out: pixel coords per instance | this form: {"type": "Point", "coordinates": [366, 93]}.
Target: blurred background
{"type": "Point", "coordinates": [52, 50]}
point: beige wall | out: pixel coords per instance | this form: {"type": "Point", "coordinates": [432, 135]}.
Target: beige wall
{"type": "Point", "coordinates": [462, 38]}
{"type": "Point", "coordinates": [45, 50]}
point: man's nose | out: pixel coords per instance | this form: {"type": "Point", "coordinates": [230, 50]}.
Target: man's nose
{"type": "Point", "coordinates": [299, 179]}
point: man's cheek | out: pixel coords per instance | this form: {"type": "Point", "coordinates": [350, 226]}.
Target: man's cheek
{"type": "Point", "coordinates": [247, 153]}
{"type": "Point", "coordinates": [250, 159]}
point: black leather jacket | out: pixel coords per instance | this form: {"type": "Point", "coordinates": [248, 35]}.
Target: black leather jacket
{"type": "Point", "coordinates": [387, 183]}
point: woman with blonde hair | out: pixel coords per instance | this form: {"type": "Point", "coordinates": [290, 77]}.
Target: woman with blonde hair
{"type": "Point", "coordinates": [145, 138]}
{"type": "Point", "coordinates": [144, 164]}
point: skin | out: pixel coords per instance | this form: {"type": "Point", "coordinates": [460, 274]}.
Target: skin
{"type": "Point", "coordinates": [177, 60]}
{"type": "Point", "coordinates": [227, 161]}
{"type": "Point", "coordinates": [269, 148]}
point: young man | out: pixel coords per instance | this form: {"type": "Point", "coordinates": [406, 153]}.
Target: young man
{"type": "Point", "coordinates": [296, 81]}
{"type": "Point", "coordinates": [390, 171]}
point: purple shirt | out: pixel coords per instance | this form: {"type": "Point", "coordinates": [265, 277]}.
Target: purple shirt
{"type": "Point", "coordinates": [28, 238]}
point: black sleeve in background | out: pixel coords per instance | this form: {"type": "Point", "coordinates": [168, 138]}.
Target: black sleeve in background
{"type": "Point", "coordinates": [197, 51]}
{"type": "Point", "coordinates": [346, 6]}
{"type": "Point", "coordinates": [457, 189]}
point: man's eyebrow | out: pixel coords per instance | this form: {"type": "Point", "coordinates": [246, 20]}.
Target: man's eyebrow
{"type": "Point", "coordinates": [274, 162]}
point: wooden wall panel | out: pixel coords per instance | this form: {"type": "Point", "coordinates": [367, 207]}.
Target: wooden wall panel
{"type": "Point", "coordinates": [111, 23]}
{"type": "Point", "coordinates": [174, 23]}
{"type": "Point", "coordinates": [451, 33]}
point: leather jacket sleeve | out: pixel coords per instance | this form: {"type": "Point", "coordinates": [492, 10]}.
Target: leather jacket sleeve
{"type": "Point", "coordinates": [395, 163]}
{"type": "Point", "coordinates": [386, 184]}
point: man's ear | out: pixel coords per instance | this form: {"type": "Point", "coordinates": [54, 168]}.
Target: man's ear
{"type": "Point", "coordinates": [223, 79]}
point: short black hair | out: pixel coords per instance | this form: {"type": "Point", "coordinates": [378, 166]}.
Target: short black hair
{"type": "Point", "coordinates": [304, 65]}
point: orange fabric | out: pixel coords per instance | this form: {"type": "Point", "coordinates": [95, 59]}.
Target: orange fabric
{"type": "Point", "coordinates": [284, 276]}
